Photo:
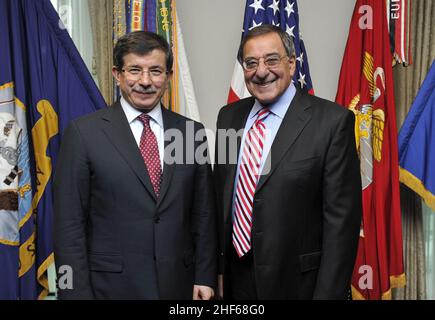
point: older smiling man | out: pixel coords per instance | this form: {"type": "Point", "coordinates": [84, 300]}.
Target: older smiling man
{"type": "Point", "coordinates": [290, 208]}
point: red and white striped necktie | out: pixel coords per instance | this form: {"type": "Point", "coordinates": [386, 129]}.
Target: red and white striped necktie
{"type": "Point", "coordinates": [249, 168]}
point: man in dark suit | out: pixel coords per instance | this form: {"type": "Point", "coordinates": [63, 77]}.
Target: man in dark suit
{"type": "Point", "coordinates": [289, 198]}
{"type": "Point", "coordinates": [130, 222]}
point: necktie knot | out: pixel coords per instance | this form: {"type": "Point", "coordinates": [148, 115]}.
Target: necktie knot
{"type": "Point", "coordinates": [145, 119]}
{"type": "Point", "coordinates": [262, 115]}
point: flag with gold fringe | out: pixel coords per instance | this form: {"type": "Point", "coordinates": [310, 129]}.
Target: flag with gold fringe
{"type": "Point", "coordinates": [417, 142]}
{"type": "Point", "coordinates": [44, 84]}
{"type": "Point", "coordinates": [160, 16]}
{"type": "Point", "coordinates": [366, 87]}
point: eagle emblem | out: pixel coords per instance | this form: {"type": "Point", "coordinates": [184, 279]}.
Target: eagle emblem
{"type": "Point", "coordinates": [369, 121]}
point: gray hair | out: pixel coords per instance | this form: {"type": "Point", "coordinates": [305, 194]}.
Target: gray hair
{"type": "Point", "coordinates": [286, 39]}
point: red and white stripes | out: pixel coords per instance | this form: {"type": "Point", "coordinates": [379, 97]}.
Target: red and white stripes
{"type": "Point", "coordinates": [249, 169]}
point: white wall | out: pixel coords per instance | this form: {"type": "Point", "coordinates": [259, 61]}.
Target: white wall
{"type": "Point", "coordinates": [212, 31]}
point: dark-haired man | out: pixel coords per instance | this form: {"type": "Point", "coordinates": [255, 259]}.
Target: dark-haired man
{"type": "Point", "coordinates": [289, 199]}
{"type": "Point", "coordinates": [130, 222]}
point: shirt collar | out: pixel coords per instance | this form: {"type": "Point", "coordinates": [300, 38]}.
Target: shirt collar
{"type": "Point", "coordinates": [132, 113]}
{"type": "Point", "coordinates": [279, 107]}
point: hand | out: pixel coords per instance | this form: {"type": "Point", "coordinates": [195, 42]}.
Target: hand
{"type": "Point", "coordinates": [221, 286]}
{"type": "Point", "coordinates": [202, 293]}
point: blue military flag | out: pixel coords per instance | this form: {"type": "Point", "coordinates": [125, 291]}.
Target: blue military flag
{"type": "Point", "coordinates": [44, 84]}
{"type": "Point", "coordinates": [417, 142]}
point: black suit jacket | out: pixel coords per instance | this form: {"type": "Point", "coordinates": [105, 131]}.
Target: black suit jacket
{"type": "Point", "coordinates": [122, 242]}
{"type": "Point", "coordinates": [307, 209]}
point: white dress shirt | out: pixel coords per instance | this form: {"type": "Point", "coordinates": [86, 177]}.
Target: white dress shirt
{"type": "Point", "coordinates": [136, 126]}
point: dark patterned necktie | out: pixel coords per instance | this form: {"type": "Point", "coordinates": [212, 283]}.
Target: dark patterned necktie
{"type": "Point", "coordinates": [149, 150]}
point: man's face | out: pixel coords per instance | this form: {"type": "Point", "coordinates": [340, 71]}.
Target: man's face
{"type": "Point", "coordinates": [267, 84]}
{"type": "Point", "coordinates": [143, 79]}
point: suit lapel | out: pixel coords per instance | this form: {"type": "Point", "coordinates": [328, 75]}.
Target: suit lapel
{"type": "Point", "coordinates": [295, 120]}
{"type": "Point", "coordinates": [169, 122]}
{"type": "Point", "coordinates": [238, 122]}
{"type": "Point", "coordinates": [119, 133]}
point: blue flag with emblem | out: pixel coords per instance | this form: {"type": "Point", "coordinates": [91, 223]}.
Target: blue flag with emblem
{"type": "Point", "coordinates": [44, 84]}
{"type": "Point", "coordinates": [417, 142]}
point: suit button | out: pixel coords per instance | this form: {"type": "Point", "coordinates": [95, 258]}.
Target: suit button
{"type": "Point", "coordinates": [156, 219]}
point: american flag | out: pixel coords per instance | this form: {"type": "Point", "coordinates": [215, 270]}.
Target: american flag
{"type": "Point", "coordinates": [284, 14]}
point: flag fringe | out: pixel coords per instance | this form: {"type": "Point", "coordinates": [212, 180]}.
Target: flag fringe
{"type": "Point", "coordinates": [415, 184]}
{"type": "Point", "coordinates": [175, 103]}
{"type": "Point", "coordinates": [42, 276]}
{"type": "Point", "coordinates": [10, 243]}
{"type": "Point", "coordinates": [395, 282]}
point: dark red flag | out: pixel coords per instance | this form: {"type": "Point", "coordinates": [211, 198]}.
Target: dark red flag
{"type": "Point", "coordinates": [366, 88]}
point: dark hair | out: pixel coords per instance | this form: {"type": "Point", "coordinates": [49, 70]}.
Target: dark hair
{"type": "Point", "coordinates": [141, 43]}
{"type": "Point", "coordinates": [287, 41]}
